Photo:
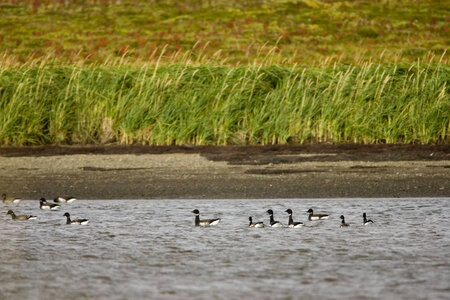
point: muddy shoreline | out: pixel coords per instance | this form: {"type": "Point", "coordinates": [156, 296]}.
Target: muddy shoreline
{"type": "Point", "coordinates": [216, 172]}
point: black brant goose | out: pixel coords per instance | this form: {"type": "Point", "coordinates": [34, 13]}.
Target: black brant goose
{"type": "Point", "coordinates": [343, 224]}
{"type": "Point", "coordinates": [206, 222]}
{"type": "Point", "coordinates": [256, 224]}
{"type": "Point", "coordinates": [10, 199]}
{"type": "Point", "coordinates": [61, 199]}
{"type": "Point", "coordinates": [48, 206]}
{"type": "Point", "coordinates": [291, 221]}
{"type": "Point", "coordinates": [76, 221]}
{"type": "Point", "coordinates": [314, 217]}
{"type": "Point", "coordinates": [20, 217]}
{"type": "Point", "coordinates": [365, 221]}
{"type": "Point", "coordinates": [273, 223]}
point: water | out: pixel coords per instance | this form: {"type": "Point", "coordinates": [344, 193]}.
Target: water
{"type": "Point", "coordinates": [151, 250]}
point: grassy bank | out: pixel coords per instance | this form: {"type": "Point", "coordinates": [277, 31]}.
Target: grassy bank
{"type": "Point", "coordinates": [223, 72]}
{"type": "Point", "coordinates": [302, 32]}
{"type": "Point", "coordinates": [179, 104]}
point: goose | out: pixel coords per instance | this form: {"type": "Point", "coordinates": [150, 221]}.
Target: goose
{"type": "Point", "coordinates": [314, 217]}
{"type": "Point", "coordinates": [64, 199]}
{"type": "Point", "coordinates": [76, 221]}
{"type": "Point", "coordinates": [365, 221]}
{"type": "Point", "coordinates": [10, 199]}
{"type": "Point", "coordinates": [273, 223]}
{"type": "Point", "coordinates": [20, 217]}
{"type": "Point", "coordinates": [206, 222]}
{"type": "Point", "coordinates": [293, 224]}
{"type": "Point", "coordinates": [256, 224]}
{"type": "Point", "coordinates": [48, 206]}
{"type": "Point", "coordinates": [343, 224]}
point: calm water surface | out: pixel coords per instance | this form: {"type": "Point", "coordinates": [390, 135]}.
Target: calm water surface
{"type": "Point", "coordinates": [151, 250]}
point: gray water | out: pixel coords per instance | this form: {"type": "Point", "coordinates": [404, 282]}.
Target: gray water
{"type": "Point", "coordinates": [151, 250]}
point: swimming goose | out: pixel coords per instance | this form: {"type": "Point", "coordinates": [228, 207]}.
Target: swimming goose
{"type": "Point", "coordinates": [206, 222]}
{"type": "Point", "coordinates": [20, 217]}
{"type": "Point", "coordinates": [365, 221]}
{"type": "Point", "coordinates": [75, 222]}
{"type": "Point", "coordinates": [291, 220]}
{"type": "Point", "coordinates": [10, 199]}
{"type": "Point", "coordinates": [256, 224]}
{"type": "Point", "coordinates": [49, 206]}
{"type": "Point", "coordinates": [343, 224]}
{"type": "Point", "coordinates": [313, 217]}
{"type": "Point", "coordinates": [273, 223]}
{"type": "Point", "coordinates": [61, 199]}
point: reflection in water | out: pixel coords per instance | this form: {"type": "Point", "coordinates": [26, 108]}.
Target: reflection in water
{"type": "Point", "coordinates": [151, 249]}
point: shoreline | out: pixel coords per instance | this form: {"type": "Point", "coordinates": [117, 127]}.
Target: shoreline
{"type": "Point", "coordinates": [226, 172]}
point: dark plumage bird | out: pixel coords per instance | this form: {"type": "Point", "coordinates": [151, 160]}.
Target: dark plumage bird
{"type": "Point", "coordinates": [205, 222]}
{"type": "Point", "coordinates": [313, 217]}
{"type": "Point", "coordinates": [20, 217]}
{"type": "Point", "coordinates": [48, 206]}
{"type": "Point", "coordinates": [365, 221]}
{"type": "Point", "coordinates": [76, 221]}
{"type": "Point", "coordinates": [273, 223]}
{"type": "Point", "coordinates": [256, 224]}
{"type": "Point", "coordinates": [10, 199]}
{"type": "Point", "coordinates": [343, 224]}
{"type": "Point", "coordinates": [64, 199]}
{"type": "Point", "coordinates": [291, 220]}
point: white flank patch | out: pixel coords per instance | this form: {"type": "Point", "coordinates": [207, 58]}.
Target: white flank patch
{"type": "Point", "coordinates": [215, 222]}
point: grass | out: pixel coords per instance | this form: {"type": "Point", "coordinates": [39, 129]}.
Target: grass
{"type": "Point", "coordinates": [216, 72]}
{"type": "Point", "coordinates": [202, 105]}
{"type": "Point", "coordinates": [301, 32]}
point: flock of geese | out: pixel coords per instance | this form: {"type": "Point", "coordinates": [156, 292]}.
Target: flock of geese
{"type": "Point", "coordinates": [43, 204]}
{"type": "Point", "coordinates": [272, 223]}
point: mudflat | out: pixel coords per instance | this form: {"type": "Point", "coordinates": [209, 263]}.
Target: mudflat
{"type": "Point", "coordinates": [226, 172]}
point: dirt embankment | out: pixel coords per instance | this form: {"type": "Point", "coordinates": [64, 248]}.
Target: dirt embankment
{"type": "Point", "coordinates": [177, 172]}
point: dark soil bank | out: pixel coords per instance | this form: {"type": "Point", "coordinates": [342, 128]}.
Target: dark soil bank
{"type": "Point", "coordinates": [177, 172]}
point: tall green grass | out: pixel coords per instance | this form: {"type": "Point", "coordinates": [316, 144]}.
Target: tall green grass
{"type": "Point", "coordinates": [218, 105]}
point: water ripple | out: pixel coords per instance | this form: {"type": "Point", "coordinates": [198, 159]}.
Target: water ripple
{"type": "Point", "coordinates": [150, 249]}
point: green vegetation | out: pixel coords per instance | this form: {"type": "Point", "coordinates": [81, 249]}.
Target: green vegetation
{"type": "Point", "coordinates": [223, 72]}
{"type": "Point", "coordinates": [302, 32]}
{"type": "Point", "coordinates": [181, 104]}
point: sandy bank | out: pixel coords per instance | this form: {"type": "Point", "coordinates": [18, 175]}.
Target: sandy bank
{"type": "Point", "coordinates": [139, 172]}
